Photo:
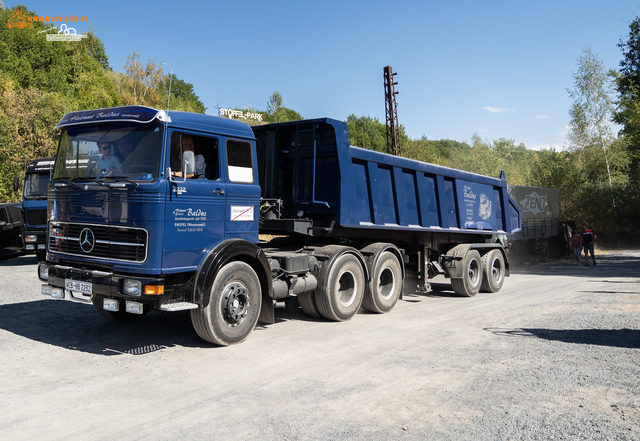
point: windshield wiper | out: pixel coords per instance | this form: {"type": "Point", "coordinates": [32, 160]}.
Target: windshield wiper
{"type": "Point", "coordinates": [121, 178]}
{"type": "Point", "coordinates": [64, 179]}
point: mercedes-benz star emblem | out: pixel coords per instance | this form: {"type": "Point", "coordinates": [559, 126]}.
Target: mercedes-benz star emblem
{"type": "Point", "coordinates": [87, 240]}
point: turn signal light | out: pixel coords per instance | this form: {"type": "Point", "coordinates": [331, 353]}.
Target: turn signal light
{"type": "Point", "coordinates": [154, 290]}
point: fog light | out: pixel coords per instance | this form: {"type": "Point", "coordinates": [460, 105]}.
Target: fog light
{"type": "Point", "coordinates": [154, 290]}
{"type": "Point", "coordinates": [134, 307]}
{"type": "Point", "coordinates": [132, 287]}
{"type": "Point", "coordinates": [57, 293]}
{"type": "Point", "coordinates": [31, 238]}
{"type": "Point", "coordinates": [41, 246]}
{"type": "Point", "coordinates": [111, 305]}
{"type": "Point", "coordinates": [30, 247]}
{"type": "Point", "coordinates": [43, 271]}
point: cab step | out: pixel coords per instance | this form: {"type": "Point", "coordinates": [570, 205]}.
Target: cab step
{"type": "Point", "coordinates": [178, 306]}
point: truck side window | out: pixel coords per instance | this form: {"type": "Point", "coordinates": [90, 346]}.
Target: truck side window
{"type": "Point", "coordinates": [14, 213]}
{"type": "Point", "coordinates": [239, 161]}
{"type": "Point", "coordinates": [205, 149]}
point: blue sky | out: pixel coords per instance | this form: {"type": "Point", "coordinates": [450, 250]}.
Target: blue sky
{"type": "Point", "coordinates": [500, 69]}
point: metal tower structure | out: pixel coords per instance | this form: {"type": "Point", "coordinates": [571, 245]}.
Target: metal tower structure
{"type": "Point", "coordinates": [391, 107]}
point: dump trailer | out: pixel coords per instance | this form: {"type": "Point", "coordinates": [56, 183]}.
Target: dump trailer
{"type": "Point", "coordinates": [280, 212]}
{"type": "Point", "coordinates": [543, 234]}
{"type": "Point", "coordinates": [34, 205]}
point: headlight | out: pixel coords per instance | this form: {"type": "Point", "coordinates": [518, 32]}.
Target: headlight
{"type": "Point", "coordinates": [31, 238]}
{"type": "Point", "coordinates": [43, 271]}
{"type": "Point", "coordinates": [132, 287]}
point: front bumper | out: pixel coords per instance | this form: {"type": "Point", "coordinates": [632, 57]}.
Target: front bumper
{"type": "Point", "coordinates": [103, 283]}
{"type": "Point", "coordinates": [110, 286]}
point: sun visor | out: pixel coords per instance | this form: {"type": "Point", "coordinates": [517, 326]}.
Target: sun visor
{"type": "Point", "coordinates": [139, 114]}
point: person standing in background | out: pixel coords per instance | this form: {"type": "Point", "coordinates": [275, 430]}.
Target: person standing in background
{"type": "Point", "coordinates": [588, 236]}
{"type": "Point", "coordinates": [576, 244]}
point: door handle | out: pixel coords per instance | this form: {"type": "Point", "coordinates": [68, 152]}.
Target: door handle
{"type": "Point", "coordinates": [218, 191]}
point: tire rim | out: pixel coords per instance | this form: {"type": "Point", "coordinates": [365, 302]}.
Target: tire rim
{"type": "Point", "coordinates": [234, 303]}
{"type": "Point", "coordinates": [496, 270]}
{"type": "Point", "coordinates": [386, 283]}
{"type": "Point", "coordinates": [474, 272]}
{"type": "Point", "coordinates": [347, 287]}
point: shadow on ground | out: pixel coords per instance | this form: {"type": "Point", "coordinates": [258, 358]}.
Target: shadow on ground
{"type": "Point", "coordinates": [608, 265]}
{"type": "Point", "coordinates": [77, 326]}
{"type": "Point", "coordinates": [620, 338]}
{"type": "Point", "coordinates": [20, 260]}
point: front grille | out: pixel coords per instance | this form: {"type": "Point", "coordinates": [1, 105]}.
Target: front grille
{"type": "Point", "coordinates": [99, 241]}
{"type": "Point", "coordinates": [36, 217]}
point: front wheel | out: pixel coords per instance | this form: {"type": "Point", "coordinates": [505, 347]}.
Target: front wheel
{"type": "Point", "coordinates": [234, 306]}
{"type": "Point", "coordinates": [492, 271]}
{"type": "Point", "coordinates": [469, 284]}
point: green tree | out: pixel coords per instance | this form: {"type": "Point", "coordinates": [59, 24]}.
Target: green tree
{"type": "Point", "coordinates": [367, 132]}
{"type": "Point", "coordinates": [140, 85]}
{"type": "Point", "coordinates": [29, 117]}
{"type": "Point", "coordinates": [274, 106]}
{"type": "Point", "coordinates": [277, 112]}
{"type": "Point", "coordinates": [628, 88]}
{"type": "Point", "coordinates": [182, 95]}
{"type": "Point", "coordinates": [39, 82]}
{"type": "Point", "coordinates": [591, 111]}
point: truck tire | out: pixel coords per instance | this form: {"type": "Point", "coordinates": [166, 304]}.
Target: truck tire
{"type": "Point", "coordinates": [308, 304]}
{"type": "Point", "coordinates": [118, 316]}
{"type": "Point", "coordinates": [545, 251]}
{"type": "Point", "coordinates": [341, 294]}
{"type": "Point", "coordinates": [234, 306]}
{"type": "Point", "coordinates": [385, 285]}
{"type": "Point", "coordinates": [469, 284]}
{"type": "Point", "coordinates": [493, 271]}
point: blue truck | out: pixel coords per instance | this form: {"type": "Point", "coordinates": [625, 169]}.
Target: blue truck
{"type": "Point", "coordinates": [281, 212]}
{"type": "Point", "coordinates": [34, 205]}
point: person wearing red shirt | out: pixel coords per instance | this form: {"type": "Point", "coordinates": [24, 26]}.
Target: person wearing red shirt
{"type": "Point", "coordinates": [576, 244]}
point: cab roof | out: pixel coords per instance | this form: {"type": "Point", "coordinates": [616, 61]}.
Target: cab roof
{"type": "Point", "coordinates": [173, 118]}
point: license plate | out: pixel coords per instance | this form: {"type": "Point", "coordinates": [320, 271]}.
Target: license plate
{"type": "Point", "coordinates": [77, 286]}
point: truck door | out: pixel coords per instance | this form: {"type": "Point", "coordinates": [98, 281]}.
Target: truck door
{"type": "Point", "coordinates": [195, 209]}
{"type": "Point", "coordinates": [10, 229]}
{"type": "Point", "coordinates": [243, 191]}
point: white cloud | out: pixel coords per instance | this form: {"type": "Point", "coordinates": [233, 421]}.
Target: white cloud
{"type": "Point", "coordinates": [541, 116]}
{"type": "Point", "coordinates": [497, 109]}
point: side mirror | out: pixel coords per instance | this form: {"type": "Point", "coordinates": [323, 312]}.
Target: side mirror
{"type": "Point", "coordinates": [188, 163]}
{"type": "Point", "coordinates": [16, 183]}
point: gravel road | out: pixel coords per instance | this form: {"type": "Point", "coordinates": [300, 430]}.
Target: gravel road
{"type": "Point", "coordinates": [554, 355]}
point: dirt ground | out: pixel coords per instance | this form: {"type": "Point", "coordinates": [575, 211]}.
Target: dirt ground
{"type": "Point", "coordinates": [554, 355]}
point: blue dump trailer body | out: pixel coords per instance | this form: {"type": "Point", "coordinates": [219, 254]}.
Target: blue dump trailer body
{"type": "Point", "coordinates": [178, 211]}
{"type": "Point", "coordinates": [318, 174]}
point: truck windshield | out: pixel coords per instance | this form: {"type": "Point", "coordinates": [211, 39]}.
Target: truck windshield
{"type": "Point", "coordinates": [113, 151]}
{"type": "Point", "coordinates": [35, 186]}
